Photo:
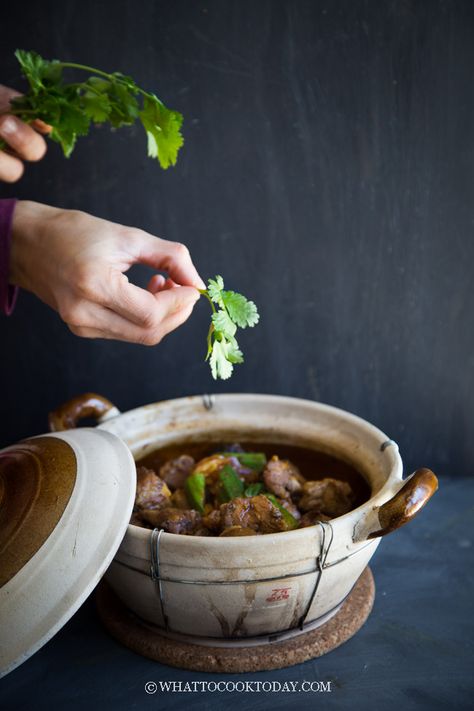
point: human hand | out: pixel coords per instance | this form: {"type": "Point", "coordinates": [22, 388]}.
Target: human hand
{"type": "Point", "coordinates": [23, 141]}
{"type": "Point", "coordinates": [75, 263]}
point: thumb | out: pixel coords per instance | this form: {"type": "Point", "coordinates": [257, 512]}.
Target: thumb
{"type": "Point", "coordinates": [173, 299]}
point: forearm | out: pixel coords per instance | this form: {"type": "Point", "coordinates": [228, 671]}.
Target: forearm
{"type": "Point", "coordinates": [8, 293]}
{"type": "Point", "coordinates": [27, 241]}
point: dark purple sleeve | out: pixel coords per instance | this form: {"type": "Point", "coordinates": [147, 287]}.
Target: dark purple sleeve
{"type": "Point", "coordinates": [8, 292]}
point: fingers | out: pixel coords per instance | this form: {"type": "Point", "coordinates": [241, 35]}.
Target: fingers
{"type": "Point", "coordinates": [93, 321]}
{"type": "Point", "coordinates": [153, 313]}
{"type": "Point", "coordinates": [145, 308]}
{"type": "Point", "coordinates": [11, 169]}
{"type": "Point", "coordinates": [159, 283]}
{"type": "Point", "coordinates": [174, 321]}
{"type": "Point", "coordinates": [21, 138]}
{"type": "Point", "coordinates": [171, 257]}
{"type": "Point", "coordinates": [6, 95]}
{"type": "Point", "coordinates": [156, 283]}
{"type": "Point", "coordinates": [41, 126]}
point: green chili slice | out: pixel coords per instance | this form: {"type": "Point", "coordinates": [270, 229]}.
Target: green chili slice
{"type": "Point", "coordinates": [252, 460]}
{"type": "Point", "coordinates": [288, 518]}
{"type": "Point", "coordinates": [254, 489]}
{"type": "Point", "coordinates": [231, 485]}
{"type": "Point", "coordinates": [195, 487]}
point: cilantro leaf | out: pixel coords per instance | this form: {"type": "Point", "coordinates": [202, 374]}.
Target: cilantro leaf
{"type": "Point", "coordinates": [71, 122]}
{"type": "Point", "coordinates": [33, 68]}
{"type": "Point", "coordinates": [234, 354]}
{"type": "Point", "coordinates": [128, 81]}
{"type": "Point", "coordinates": [114, 98]}
{"type": "Point", "coordinates": [234, 310]}
{"type": "Point", "coordinates": [223, 323]}
{"type": "Point", "coordinates": [124, 106]}
{"type": "Point", "coordinates": [97, 106]}
{"type": "Point", "coordinates": [242, 311]}
{"type": "Point", "coordinates": [221, 367]}
{"type": "Point", "coordinates": [162, 127]}
{"type": "Point", "coordinates": [97, 84]}
{"type": "Point", "coordinates": [214, 289]}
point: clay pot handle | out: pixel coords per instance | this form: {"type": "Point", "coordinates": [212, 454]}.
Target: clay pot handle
{"type": "Point", "coordinates": [401, 508]}
{"type": "Point", "coordinates": [66, 416]}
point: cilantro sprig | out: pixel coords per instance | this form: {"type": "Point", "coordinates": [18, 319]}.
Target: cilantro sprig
{"type": "Point", "coordinates": [71, 108]}
{"type": "Point", "coordinates": [233, 311]}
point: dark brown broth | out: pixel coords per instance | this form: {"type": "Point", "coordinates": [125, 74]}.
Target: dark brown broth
{"type": "Point", "coordinates": [311, 463]}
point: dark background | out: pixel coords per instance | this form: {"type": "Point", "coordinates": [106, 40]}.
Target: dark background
{"type": "Point", "coordinates": [328, 173]}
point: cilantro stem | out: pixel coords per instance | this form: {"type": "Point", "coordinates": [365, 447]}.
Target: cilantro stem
{"type": "Point", "coordinates": [85, 68]}
{"type": "Point", "coordinates": [203, 292]}
{"type": "Point", "coordinates": [100, 73]}
{"type": "Point", "coordinates": [22, 111]}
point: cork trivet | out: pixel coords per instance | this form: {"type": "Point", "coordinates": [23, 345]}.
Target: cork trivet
{"type": "Point", "coordinates": [127, 629]}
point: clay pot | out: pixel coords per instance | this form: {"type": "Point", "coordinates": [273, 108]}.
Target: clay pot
{"type": "Point", "coordinates": [237, 590]}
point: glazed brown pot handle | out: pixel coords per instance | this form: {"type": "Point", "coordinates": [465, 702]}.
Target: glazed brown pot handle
{"type": "Point", "coordinates": [66, 416]}
{"type": "Point", "coordinates": [403, 507]}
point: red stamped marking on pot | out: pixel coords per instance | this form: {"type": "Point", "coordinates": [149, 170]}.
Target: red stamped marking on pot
{"type": "Point", "coordinates": [279, 594]}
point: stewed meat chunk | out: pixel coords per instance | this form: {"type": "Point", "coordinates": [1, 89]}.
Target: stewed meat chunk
{"type": "Point", "coordinates": [179, 500]}
{"type": "Point", "coordinates": [175, 471]}
{"type": "Point", "coordinates": [152, 492]}
{"type": "Point", "coordinates": [282, 478]}
{"type": "Point", "coordinates": [329, 496]}
{"type": "Point", "coordinates": [257, 513]}
{"type": "Point", "coordinates": [213, 521]}
{"type": "Point", "coordinates": [173, 520]}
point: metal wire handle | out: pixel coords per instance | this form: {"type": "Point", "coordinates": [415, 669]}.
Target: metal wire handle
{"type": "Point", "coordinates": [155, 539]}
{"type": "Point", "coordinates": [320, 563]}
{"type": "Point", "coordinates": [155, 568]}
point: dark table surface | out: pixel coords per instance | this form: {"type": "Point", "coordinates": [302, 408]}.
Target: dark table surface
{"type": "Point", "coordinates": [414, 652]}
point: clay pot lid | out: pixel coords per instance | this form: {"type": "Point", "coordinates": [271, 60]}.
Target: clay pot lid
{"type": "Point", "coordinates": [65, 503]}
